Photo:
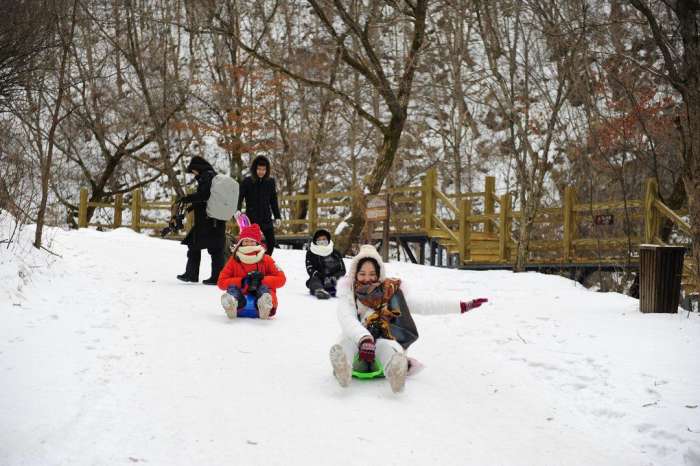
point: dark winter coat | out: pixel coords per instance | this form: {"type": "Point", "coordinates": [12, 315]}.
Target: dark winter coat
{"type": "Point", "coordinates": [331, 265]}
{"type": "Point", "coordinates": [260, 195]}
{"type": "Point", "coordinates": [206, 232]}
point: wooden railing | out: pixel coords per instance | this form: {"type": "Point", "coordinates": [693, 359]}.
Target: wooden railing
{"type": "Point", "coordinates": [477, 226]}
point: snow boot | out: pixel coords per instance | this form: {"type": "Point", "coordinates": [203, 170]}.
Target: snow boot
{"type": "Point", "coordinates": [264, 305]}
{"type": "Point", "coordinates": [230, 305]}
{"type": "Point", "coordinates": [322, 294]}
{"type": "Point", "coordinates": [395, 371]}
{"type": "Point", "coordinates": [341, 368]}
{"type": "Point", "coordinates": [186, 278]}
{"type": "Point", "coordinates": [209, 281]}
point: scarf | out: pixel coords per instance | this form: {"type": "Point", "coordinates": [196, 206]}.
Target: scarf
{"type": "Point", "coordinates": [322, 251]}
{"type": "Point", "coordinates": [250, 254]}
{"type": "Point", "coordinates": [377, 296]}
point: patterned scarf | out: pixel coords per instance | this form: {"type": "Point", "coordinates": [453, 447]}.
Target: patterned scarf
{"type": "Point", "coordinates": [377, 296]}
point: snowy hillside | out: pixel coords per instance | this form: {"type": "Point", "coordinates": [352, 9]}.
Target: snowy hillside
{"type": "Point", "coordinates": [106, 359]}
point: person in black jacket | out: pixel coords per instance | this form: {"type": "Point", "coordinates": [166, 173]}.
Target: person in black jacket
{"type": "Point", "coordinates": [207, 233]}
{"type": "Point", "coordinates": [324, 265]}
{"type": "Point", "coordinates": [260, 194]}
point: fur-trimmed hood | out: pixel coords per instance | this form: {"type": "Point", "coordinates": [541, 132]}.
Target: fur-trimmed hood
{"type": "Point", "coordinates": [366, 250]}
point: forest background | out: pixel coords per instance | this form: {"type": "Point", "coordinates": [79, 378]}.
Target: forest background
{"type": "Point", "coordinates": [356, 95]}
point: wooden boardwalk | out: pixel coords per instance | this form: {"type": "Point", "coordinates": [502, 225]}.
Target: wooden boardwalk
{"type": "Point", "coordinates": [469, 230]}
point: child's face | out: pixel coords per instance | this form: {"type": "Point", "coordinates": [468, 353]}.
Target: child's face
{"type": "Point", "coordinates": [322, 241]}
{"type": "Point", "coordinates": [248, 242]}
{"type": "Point", "coordinates": [367, 274]}
{"type": "Point", "coordinates": [260, 170]}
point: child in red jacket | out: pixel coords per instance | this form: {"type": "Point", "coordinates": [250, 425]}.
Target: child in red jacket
{"type": "Point", "coordinates": [250, 271]}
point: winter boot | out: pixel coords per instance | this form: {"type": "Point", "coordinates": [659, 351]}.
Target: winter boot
{"type": "Point", "coordinates": [209, 281]}
{"type": "Point", "coordinates": [395, 371]}
{"type": "Point", "coordinates": [341, 368]}
{"type": "Point", "coordinates": [320, 293]}
{"type": "Point", "coordinates": [264, 305]}
{"type": "Point", "coordinates": [186, 278]}
{"type": "Point", "coordinates": [230, 305]}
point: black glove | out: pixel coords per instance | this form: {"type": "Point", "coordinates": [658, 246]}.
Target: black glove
{"type": "Point", "coordinates": [253, 279]}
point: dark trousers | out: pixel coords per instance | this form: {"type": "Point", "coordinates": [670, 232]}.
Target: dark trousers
{"type": "Point", "coordinates": [269, 239]}
{"type": "Point", "coordinates": [314, 283]}
{"type": "Point", "coordinates": [194, 256]}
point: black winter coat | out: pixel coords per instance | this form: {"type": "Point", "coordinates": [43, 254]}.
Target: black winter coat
{"type": "Point", "coordinates": [331, 265]}
{"type": "Point", "coordinates": [260, 195]}
{"type": "Point", "coordinates": [206, 232]}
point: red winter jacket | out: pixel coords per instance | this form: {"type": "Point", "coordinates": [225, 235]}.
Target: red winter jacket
{"type": "Point", "coordinates": [234, 271]}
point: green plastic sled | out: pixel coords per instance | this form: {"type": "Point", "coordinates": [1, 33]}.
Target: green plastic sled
{"type": "Point", "coordinates": [370, 372]}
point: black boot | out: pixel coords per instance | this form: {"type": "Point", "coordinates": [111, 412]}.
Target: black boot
{"type": "Point", "coordinates": [186, 278]}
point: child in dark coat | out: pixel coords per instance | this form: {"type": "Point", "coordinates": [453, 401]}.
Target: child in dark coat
{"type": "Point", "coordinates": [324, 265]}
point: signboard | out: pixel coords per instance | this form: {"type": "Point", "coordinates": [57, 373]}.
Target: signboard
{"type": "Point", "coordinates": [376, 209]}
{"type": "Point", "coordinates": [603, 219]}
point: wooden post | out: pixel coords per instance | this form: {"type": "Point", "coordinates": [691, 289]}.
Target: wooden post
{"type": "Point", "coordinates": [82, 210]}
{"type": "Point", "coordinates": [489, 202]}
{"type": "Point", "coordinates": [313, 205]}
{"type": "Point", "coordinates": [465, 230]}
{"type": "Point", "coordinates": [651, 218]}
{"type": "Point", "coordinates": [118, 206]}
{"type": "Point", "coordinates": [136, 210]}
{"type": "Point", "coordinates": [428, 200]}
{"type": "Point", "coordinates": [504, 228]}
{"type": "Point", "coordinates": [569, 225]}
{"type": "Point", "coordinates": [385, 230]}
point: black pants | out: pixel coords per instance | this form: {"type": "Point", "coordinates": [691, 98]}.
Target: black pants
{"type": "Point", "coordinates": [269, 233]}
{"type": "Point", "coordinates": [314, 283]}
{"type": "Point", "coordinates": [194, 256]}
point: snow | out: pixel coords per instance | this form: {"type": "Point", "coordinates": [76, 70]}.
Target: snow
{"type": "Point", "coordinates": [105, 358]}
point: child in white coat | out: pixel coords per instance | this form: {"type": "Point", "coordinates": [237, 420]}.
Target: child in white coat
{"type": "Point", "coordinates": [375, 322]}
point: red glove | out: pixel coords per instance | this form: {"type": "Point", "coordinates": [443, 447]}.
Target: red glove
{"type": "Point", "coordinates": [367, 347]}
{"type": "Point", "coordinates": [473, 304]}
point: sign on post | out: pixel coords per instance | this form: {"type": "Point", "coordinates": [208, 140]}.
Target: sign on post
{"type": "Point", "coordinates": [376, 209]}
{"type": "Point", "coordinates": [606, 219]}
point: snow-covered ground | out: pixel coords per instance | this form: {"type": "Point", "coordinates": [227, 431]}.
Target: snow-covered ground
{"type": "Point", "coordinates": [106, 359]}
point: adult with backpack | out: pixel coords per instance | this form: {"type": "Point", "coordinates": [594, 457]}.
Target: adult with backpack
{"type": "Point", "coordinates": [214, 203]}
{"type": "Point", "coordinates": [260, 194]}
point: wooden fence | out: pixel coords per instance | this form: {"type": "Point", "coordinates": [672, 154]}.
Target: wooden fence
{"type": "Point", "coordinates": [475, 227]}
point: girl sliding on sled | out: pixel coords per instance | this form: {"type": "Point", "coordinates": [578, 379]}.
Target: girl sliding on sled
{"type": "Point", "coordinates": [250, 271]}
{"type": "Point", "coordinates": [376, 323]}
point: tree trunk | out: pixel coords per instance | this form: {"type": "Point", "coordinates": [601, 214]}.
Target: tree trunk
{"type": "Point", "coordinates": [47, 162]}
{"type": "Point", "coordinates": [692, 177]}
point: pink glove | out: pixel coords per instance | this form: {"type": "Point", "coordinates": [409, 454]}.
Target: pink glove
{"type": "Point", "coordinates": [367, 347]}
{"type": "Point", "coordinates": [473, 304]}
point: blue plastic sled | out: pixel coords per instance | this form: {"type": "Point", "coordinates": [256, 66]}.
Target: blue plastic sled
{"type": "Point", "coordinates": [250, 309]}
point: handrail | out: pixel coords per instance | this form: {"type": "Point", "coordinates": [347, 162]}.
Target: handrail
{"type": "Point", "coordinates": [445, 228]}
{"type": "Point", "coordinates": [447, 201]}
{"type": "Point", "coordinates": [671, 215]}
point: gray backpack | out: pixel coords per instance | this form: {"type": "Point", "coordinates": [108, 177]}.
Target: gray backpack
{"type": "Point", "coordinates": [223, 198]}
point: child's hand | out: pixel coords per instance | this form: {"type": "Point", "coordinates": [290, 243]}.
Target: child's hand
{"type": "Point", "coordinates": [473, 304]}
{"type": "Point", "coordinates": [367, 348]}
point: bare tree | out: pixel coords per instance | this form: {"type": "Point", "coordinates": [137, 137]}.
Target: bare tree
{"type": "Point", "coordinates": [674, 28]}
{"type": "Point", "coordinates": [531, 61]}
{"type": "Point", "coordinates": [26, 31]}
{"type": "Point", "coordinates": [390, 76]}
{"type": "Point", "coordinates": [66, 29]}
